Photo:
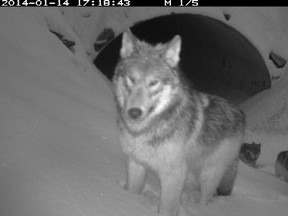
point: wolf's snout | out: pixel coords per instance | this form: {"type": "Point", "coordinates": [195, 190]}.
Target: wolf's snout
{"type": "Point", "coordinates": [134, 113]}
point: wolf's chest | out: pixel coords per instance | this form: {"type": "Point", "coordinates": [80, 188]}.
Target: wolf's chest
{"type": "Point", "coordinates": [154, 157]}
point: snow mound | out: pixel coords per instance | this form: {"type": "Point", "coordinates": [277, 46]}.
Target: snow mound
{"type": "Point", "coordinates": [268, 111]}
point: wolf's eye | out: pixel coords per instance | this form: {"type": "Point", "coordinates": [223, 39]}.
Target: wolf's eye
{"type": "Point", "coordinates": [153, 83]}
{"type": "Point", "coordinates": [130, 80]}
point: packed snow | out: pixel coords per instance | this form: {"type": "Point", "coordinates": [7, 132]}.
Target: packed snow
{"type": "Point", "coordinates": [59, 153]}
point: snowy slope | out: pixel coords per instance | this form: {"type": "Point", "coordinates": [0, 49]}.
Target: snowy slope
{"type": "Point", "coordinates": [57, 117]}
{"type": "Point", "coordinates": [275, 118]}
{"type": "Point", "coordinates": [58, 141]}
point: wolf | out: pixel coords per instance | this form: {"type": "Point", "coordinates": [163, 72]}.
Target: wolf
{"type": "Point", "coordinates": [281, 165]}
{"type": "Point", "coordinates": [249, 153]}
{"type": "Point", "coordinates": [188, 138]}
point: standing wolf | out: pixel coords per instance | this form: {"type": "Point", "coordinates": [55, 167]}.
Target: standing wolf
{"type": "Point", "coordinates": [186, 137]}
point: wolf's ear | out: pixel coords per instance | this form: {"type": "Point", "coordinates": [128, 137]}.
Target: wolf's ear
{"type": "Point", "coordinates": [128, 44]}
{"type": "Point", "coordinates": [172, 51]}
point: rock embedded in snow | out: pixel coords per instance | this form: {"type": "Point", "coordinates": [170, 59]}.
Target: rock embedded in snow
{"type": "Point", "coordinates": [278, 61]}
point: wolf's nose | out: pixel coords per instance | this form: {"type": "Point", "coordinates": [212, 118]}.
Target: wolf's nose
{"type": "Point", "coordinates": [134, 113]}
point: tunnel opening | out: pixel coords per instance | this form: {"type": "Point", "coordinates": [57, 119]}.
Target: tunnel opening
{"type": "Point", "coordinates": [216, 58]}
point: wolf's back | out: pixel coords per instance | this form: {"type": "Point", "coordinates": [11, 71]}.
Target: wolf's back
{"type": "Point", "coordinates": [221, 120]}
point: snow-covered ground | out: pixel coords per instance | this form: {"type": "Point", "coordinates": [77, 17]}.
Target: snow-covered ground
{"type": "Point", "coordinates": [59, 154]}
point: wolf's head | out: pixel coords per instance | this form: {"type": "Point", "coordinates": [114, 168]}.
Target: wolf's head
{"type": "Point", "coordinates": [146, 78]}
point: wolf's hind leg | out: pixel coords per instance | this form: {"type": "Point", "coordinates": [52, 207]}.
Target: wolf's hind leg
{"type": "Point", "coordinates": [227, 182]}
{"type": "Point", "coordinates": [209, 181]}
{"type": "Point", "coordinates": [136, 175]}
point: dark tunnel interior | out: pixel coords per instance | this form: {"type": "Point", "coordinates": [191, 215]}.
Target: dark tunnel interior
{"type": "Point", "coordinates": [215, 57]}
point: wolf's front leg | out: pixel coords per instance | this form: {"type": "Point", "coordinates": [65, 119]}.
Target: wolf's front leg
{"type": "Point", "coordinates": [136, 174]}
{"type": "Point", "coordinates": [172, 182]}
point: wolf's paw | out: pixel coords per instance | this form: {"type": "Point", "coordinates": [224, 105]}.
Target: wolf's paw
{"type": "Point", "coordinates": [192, 210]}
{"type": "Point", "coordinates": [151, 199]}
